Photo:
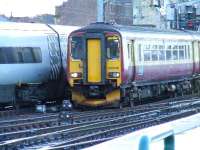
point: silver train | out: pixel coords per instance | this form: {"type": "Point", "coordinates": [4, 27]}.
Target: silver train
{"type": "Point", "coordinates": [32, 61]}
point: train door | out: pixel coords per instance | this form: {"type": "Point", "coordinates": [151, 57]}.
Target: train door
{"type": "Point", "coordinates": [196, 56]}
{"type": "Point", "coordinates": [95, 61]}
{"type": "Point", "coordinates": [131, 57]}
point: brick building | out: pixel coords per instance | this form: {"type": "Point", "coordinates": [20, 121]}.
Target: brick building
{"type": "Point", "coordinates": [118, 11]}
{"type": "Point", "coordinates": [76, 12]}
{"type": "Point", "coordinates": [83, 12]}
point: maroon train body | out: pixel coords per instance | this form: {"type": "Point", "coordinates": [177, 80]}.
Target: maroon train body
{"type": "Point", "coordinates": [131, 63]}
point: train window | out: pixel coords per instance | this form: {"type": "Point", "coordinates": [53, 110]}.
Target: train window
{"type": "Point", "coordinates": [154, 55]}
{"type": "Point", "coordinates": [76, 47]}
{"type": "Point", "coordinates": [175, 55]}
{"type": "Point", "coordinates": [147, 46]}
{"type": "Point", "coordinates": [140, 52]}
{"type": "Point", "coordinates": [112, 47]}
{"type": "Point", "coordinates": [147, 55]}
{"type": "Point", "coordinates": [2, 57]}
{"type": "Point", "coordinates": [20, 57]}
{"type": "Point", "coordinates": [161, 47]}
{"type": "Point", "coordinates": [154, 47]}
{"type": "Point", "coordinates": [168, 54]}
{"type": "Point", "coordinates": [37, 54]}
{"type": "Point", "coordinates": [169, 47]}
{"type": "Point", "coordinates": [161, 55]}
{"type": "Point", "coordinates": [12, 55]}
{"type": "Point", "coordinates": [188, 52]}
{"type": "Point", "coordinates": [28, 56]}
{"type": "Point", "coordinates": [129, 51]}
{"type": "Point", "coordinates": [181, 54]}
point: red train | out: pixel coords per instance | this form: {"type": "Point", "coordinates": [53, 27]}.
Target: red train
{"type": "Point", "coordinates": [110, 64]}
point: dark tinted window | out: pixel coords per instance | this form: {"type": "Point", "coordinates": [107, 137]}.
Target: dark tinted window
{"type": "Point", "coordinates": [175, 55]}
{"type": "Point", "coordinates": [181, 54]}
{"type": "Point", "coordinates": [15, 55]}
{"type": "Point", "coordinates": [168, 55]}
{"type": "Point", "coordinates": [147, 55]}
{"type": "Point", "coordinates": [154, 55]}
{"type": "Point", "coordinates": [76, 47]}
{"type": "Point", "coordinates": [161, 55]}
{"type": "Point", "coordinates": [112, 47]}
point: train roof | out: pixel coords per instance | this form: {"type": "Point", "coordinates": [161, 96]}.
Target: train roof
{"type": "Point", "coordinates": [101, 26]}
{"type": "Point", "coordinates": [36, 27]}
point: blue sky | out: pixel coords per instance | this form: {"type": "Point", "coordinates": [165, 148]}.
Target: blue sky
{"type": "Point", "coordinates": [20, 8]}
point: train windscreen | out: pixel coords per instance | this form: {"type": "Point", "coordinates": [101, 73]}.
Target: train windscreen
{"type": "Point", "coordinates": [76, 47]}
{"type": "Point", "coordinates": [112, 47]}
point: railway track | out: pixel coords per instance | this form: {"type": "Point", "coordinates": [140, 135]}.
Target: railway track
{"type": "Point", "coordinates": [88, 129]}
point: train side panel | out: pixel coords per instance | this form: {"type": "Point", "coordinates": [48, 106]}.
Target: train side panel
{"type": "Point", "coordinates": [155, 60]}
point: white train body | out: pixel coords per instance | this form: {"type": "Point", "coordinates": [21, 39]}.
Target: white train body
{"type": "Point", "coordinates": [30, 60]}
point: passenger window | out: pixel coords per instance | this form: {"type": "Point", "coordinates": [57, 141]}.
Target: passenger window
{"type": "Point", "coordinates": [154, 55]}
{"type": "Point", "coordinates": [37, 54]}
{"type": "Point", "coordinates": [129, 51]}
{"type": "Point", "coordinates": [15, 55]}
{"type": "Point", "coordinates": [168, 54]}
{"type": "Point", "coordinates": [147, 55]}
{"type": "Point", "coordinates": [28, 55]}
{"type": "Point", "coordinates": [140, 52]}
{"type": "Point", "coordinates": [181, 54]}
{"type": "Point", "coordinates": [186, 55]}
{"type": "Point", "coordinates": [175, 55]}
{"type": "Point", "coordinates": [161, 55]}
{"type": "Point", "coordinates": [76, 47]}
{"type": "Point", "coordinates": [2, 57]}
{"type": "Point", "coordinates": [188, 52]}
{"type": "Point", "coordinates": [112, 47]}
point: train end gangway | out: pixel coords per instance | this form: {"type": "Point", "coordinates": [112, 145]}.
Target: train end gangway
{"type": "Point", "coordinates": [145, 138]}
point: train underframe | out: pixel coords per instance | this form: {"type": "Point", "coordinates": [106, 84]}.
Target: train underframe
{"type": "Point", "coordinates": [31, 93]}
{"type": "Point", "coordinates": [138, 92]}
{"type": "Point", "coordinates": [132, 93]}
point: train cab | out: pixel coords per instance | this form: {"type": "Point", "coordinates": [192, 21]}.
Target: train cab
{"type": "Point", "coordinates": [95, 65]}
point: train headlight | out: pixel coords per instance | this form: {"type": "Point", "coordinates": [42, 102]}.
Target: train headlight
{"type": "Point", "coordinates": [76, 75]}
{"type": "Point", "coordinates": [114, 75]}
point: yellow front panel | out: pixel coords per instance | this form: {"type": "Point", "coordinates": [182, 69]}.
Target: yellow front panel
{"type": "Point", "coordinates": [94, 60]}
{"type": "Point", "coordinates": [75, 66]}
{"type": "Point", "coordinates": [114, 66]}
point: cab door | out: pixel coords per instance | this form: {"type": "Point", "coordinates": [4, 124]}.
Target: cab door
{"type": "Point", "coordinates": [94, 61]}
{"type": "Point", "coordinates": [131, 57]}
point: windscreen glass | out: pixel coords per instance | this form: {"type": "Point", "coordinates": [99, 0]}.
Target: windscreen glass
{"type": "Point", "coordinates": [76, 47]}
{"type": "Point", "coordinates": [112, 47]}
